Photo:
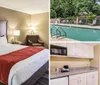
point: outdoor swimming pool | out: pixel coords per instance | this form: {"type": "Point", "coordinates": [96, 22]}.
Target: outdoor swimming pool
{"type": "Point", "coordinates": [77, 33]}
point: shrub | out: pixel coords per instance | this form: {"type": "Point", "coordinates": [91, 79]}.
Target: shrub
{"type": "Point", "coordinates": [91, 17]}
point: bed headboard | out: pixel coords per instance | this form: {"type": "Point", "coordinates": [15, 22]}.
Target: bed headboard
{"type": "Point", "coordinates": [3, 28]}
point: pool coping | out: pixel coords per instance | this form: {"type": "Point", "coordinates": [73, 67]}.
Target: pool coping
{"type": "Point", "coordinates": [75, 25]}
{"type": "Point", "coordinates": [63, 40]}
{"type": "Point", "coordinates": [69, 40]}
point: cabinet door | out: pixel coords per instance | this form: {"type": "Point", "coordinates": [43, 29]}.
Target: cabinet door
{"type": "Point", "coordinates": [88, 51]}
{"type": "Point", "coordinates": [92, 78]}
{"type": "Point", "coordinates": [79, 50]}
{"type": "Point", "coordinates": [73, 80]}
{"type": "Point", "coordinates": [82, 79]}
{"type": "Point", "coordinates": [71, 49]}
{"type": "Point", "coordinates": [79, 79]}
{"type": "Point", "coordinates": [59, 81]}
{"type": "Point", "coordinates": [91, 51]}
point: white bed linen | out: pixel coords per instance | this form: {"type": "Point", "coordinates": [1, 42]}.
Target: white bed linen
{"type": "Point", "coordinates": [3, 40]}
{"type": "Point", "coordinates": [7, 48]}
{"type": "Point", "coordinates": [24, 69]}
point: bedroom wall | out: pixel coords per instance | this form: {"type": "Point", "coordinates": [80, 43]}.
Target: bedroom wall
{"type": "Point", "coordinates": [41, 23]}
{"type": "Point", "coordinates": [16, 20]}
{"type": "Point", "coordinates": [72, 62]}
{"type": "Point", "coordinates": [22, 21]}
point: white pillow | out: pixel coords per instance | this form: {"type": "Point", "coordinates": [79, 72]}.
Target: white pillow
{"type": "Point", "coordinates": [3, 40]}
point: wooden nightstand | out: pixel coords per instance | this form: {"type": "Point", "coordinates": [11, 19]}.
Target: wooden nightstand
{"type": "Point", "coordinates": [34, 40]}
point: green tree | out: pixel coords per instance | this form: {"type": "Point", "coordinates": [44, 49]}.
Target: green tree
{"type": "Point", "coordinates": [91, 17]}
{"type": "Point", "coordinates": [53, 14]}
{"type": "Point", "coordinates": [68, 8]}
{"type": "Point", "coordinates": [96, 9]}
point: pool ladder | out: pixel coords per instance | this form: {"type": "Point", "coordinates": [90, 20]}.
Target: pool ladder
{"type": "Point", "coordinates": [58, 34]}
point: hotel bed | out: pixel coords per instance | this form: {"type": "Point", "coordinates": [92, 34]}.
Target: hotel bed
{"type": "Point", "coordinates": [27, 71]}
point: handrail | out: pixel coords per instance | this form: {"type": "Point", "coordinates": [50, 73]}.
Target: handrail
{"type": "Point", "coordinates": [51, 30]}
{"type": "Point", "coordinates": [63, 31]}
{"type": "Point", "coordinates": [58, 32]}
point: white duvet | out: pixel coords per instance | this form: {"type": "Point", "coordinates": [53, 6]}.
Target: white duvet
{"type": "Point", "coordinates": [24, 69]}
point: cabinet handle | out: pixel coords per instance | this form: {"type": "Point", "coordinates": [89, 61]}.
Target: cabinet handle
{"type": "Point", "coordinates": [80, 80]}
{"type": "Point", "coordinates": [93, 77]}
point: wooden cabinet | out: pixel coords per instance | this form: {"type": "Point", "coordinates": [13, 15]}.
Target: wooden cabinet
{"type": "Point", "coordinates": [92, 78]}
{"type": "Point", "coordinates": [59, 81]}
{"type": "Point", "coordinates": [79, 79]}
{"type": "Point", "coordinates": [71, 49]}
{"type": "Point", "coordinates": [88, 51]}
{"type": "Point", "coordinates": [80, 50]}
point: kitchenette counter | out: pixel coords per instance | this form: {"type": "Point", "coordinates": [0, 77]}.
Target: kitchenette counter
{"type": "Point", "coordinates": [73, 71]}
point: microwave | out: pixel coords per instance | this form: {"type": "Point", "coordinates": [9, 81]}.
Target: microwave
{"type": "Point", "coordinates": [58, 50]}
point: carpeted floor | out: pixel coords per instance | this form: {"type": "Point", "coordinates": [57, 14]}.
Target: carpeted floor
{"type": "Point", "coordinates": [44, 80]}
{"type": "Point", "coordinates": [1, 83]}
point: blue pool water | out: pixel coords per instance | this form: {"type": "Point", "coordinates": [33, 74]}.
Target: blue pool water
{"type": "Point", "coordinates": [78, 33]}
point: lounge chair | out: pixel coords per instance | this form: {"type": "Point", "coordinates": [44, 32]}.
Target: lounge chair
{"type": "Point", "coordinates": [80, 21]}
{"type": "Point", "coordinates": [94, 22]}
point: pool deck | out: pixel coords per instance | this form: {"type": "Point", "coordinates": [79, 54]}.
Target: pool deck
{"type": "Point", "coordinates": [86, 26]}
{"type": "Point", "coordinates": [53, 40]}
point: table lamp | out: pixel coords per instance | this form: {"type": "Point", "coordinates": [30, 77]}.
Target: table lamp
{"type": "Point", "coordinates": [32, 29]}
{"type": "Point", "coordinates": [16, 33]}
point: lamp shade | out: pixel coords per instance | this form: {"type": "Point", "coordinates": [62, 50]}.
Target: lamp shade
{"type": "Point", "coordinates": [17, 32]}
{"type": "Point", "coordinates": [32, 27]}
